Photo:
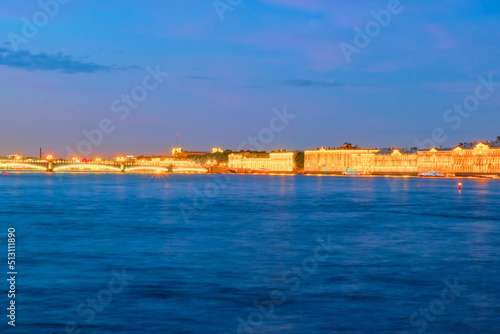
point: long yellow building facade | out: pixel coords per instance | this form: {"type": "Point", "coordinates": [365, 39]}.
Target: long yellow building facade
{"type": "Point", "coordinates": [263, 162]}
{"type": "Point", "coordinates": [479, 158]}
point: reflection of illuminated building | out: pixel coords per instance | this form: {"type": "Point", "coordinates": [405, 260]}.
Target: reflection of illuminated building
{"type": "Point", "coordinates": [473, 158]}
{"type": "Point", "coordinates": [281, 161]}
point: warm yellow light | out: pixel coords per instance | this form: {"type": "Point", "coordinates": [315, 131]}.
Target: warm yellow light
{"type": "Point", "coordinates": [98, 159]}
{"type": "Point", "coordinates": [49, 157]}
{"type": "Point", "coordinates": [120, 159]}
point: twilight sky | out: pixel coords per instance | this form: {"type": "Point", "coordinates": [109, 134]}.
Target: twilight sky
{"type": "Point", "coordinates": [230, 67]}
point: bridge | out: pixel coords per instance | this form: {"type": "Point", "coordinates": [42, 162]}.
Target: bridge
{"type": "Point", "coordinates": [103, 166]}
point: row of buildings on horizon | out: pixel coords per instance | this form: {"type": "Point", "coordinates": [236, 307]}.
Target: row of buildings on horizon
{"type": "Point", "coordinates": [476, 158]}
{"type": "Point", "coordinates": [464, 159]}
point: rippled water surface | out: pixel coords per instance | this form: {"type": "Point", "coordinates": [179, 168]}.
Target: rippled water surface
{"type": "Point", "coordinates": [105, 253]}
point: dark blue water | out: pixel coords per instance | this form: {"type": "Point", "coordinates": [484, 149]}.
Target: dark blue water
{"type": "Point", "coordinates": [251, 254]}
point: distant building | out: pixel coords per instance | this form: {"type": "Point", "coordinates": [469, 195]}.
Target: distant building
{"type": "Point", "coordinates": [179, 153]}
{"type": "Point", "coordinates": [437, 160]}
{"type": "Point", "coordinates": [394, 161]}
{"type": "Point", "coordinates": [480, 158]}
{"type": "Point", "coordinates": [125, 159]}
{"type": "Point", "coordinates": [337, 159]}
{"type": "Point", "coordinates": [176, 150]}
{"type": "Point", "coordinates": [217, 150]}
{"type": "Point", "coordinates": [280, 161]}
{"type": "Point", "coordinates": [468, 158]}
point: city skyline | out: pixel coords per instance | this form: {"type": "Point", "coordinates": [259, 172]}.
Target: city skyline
{"type": "Point", "coordinates": [214, 73]}
{"type": "Point", "coordinates": [181, 151]}
{"type": "Point", "coordinates": [467, 159]}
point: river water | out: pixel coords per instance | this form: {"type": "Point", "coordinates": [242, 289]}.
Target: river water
{"type": "Point", "coordinates": [107, 253]}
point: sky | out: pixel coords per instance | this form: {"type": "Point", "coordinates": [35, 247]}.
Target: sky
{"type": "Point", "coordinates": [228, 70]}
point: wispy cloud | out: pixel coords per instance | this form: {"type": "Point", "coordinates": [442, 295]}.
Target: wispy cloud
{"type": "Point", "coordinates": [309, 83]}
{"type": "Point", "coordinates": [49, 62]}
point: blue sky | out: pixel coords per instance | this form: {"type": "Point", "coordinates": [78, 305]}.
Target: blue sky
{"type": "Point", "coordinates": [227, 76]}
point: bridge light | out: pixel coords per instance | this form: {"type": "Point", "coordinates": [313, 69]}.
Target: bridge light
{"type": "Point", "coordinates": [49, 157]}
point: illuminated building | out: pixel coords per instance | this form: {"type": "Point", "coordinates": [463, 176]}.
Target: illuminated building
{"type": "Point", "coordinates": [339, 159]}
{"type": "Point", "coordinates": [280, 161]}
{"type": "Point", "coordinates": [249, 162]}
{"type": "Point", "coordinates": [470, 158]}
{"type": "Point", "coordinates": [217, 150]}
{"type": "Point", "coordinates": [437, 160]}
{"type": "Point", "coordinates": [176, 150]}
{"type": "Point", "coordinates": [179, 153]}
{"type": "Point", "coordinates": [481, 158]}
{"type": "Point", "coordinates": [394, 161]}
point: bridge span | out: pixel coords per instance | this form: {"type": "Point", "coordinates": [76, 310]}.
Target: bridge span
{"type": "Point", "coordinates": [70, 166]}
